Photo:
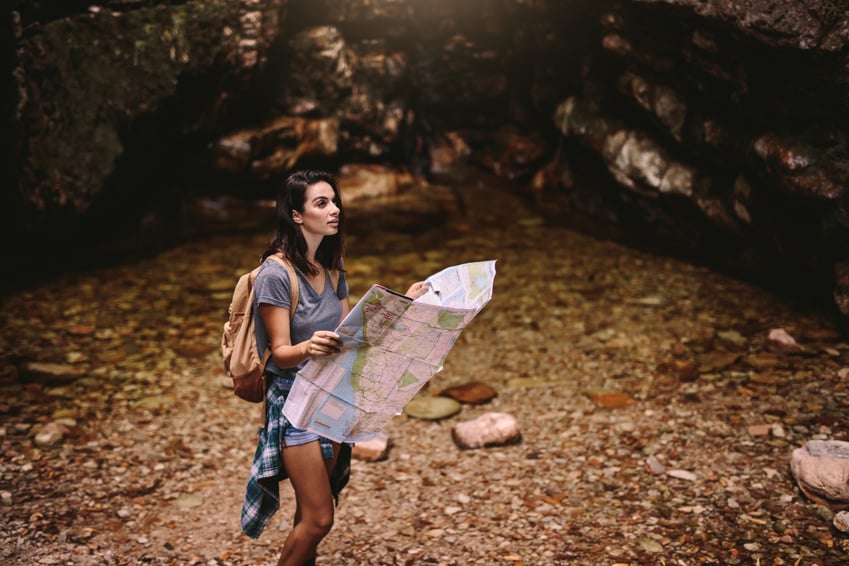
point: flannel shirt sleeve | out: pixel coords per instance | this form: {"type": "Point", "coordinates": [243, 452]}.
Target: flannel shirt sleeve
{"type": "Point", "coordinates": [262, 495]}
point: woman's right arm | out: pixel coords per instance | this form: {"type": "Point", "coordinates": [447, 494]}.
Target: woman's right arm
{"type": "Point", "coordinates": [284, 353]}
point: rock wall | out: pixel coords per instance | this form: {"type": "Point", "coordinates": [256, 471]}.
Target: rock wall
{"type": "Point", "coordinates": [706, 127]}
{"type": "Point", "coordinates": [126, 109]}
{"type": "Point", "coordinates": [723, 128]}
{"type": "Point", "coordinates": [105, 95]}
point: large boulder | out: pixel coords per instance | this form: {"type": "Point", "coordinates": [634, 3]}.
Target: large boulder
{"type": "Point", "coordinates": [821, 469]}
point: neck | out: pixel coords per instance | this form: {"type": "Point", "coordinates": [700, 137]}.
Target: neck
{"type": "Point", "coordinates": [313, 242]}
{"type": "Point", "coordinates": [310, 255]}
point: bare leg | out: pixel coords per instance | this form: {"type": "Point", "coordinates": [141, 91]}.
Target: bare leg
{"type": "Point", "coordinates": [308, 472]}
{"type": "Point", "coordinates": [297, 519]}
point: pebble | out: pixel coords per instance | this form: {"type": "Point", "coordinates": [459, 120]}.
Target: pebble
{"type": "Point", "coordinates": [50, 434]}
{"type": "Point", "coordinates": [682, 475]}
{"type": "Point", "coordinates": [650, 545]}
{"type": "Point", "coordinates": [759, 429]}
{"type": "Point", "coordinates": [841, 521]}
{"type": "Point", "coordinates": [471, 393]}
{"type": "Point", "coordinates": [189, 500]}
{"type": "Point", "coordinates": [781, 342]}
{"type": "Point", "coordinates": [581, 477]}
{"type": "Point", "coordinates": [655, 466]}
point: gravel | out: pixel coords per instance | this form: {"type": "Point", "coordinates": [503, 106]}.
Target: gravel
{"type": "Point", "coordinates": [656, 420]}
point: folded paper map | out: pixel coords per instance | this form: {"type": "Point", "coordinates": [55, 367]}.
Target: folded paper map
{"type": "Point", "coordinates": [392, 345]}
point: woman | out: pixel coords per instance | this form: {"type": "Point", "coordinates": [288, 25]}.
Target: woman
{"type": "Point", "coordinates": [310, 235]}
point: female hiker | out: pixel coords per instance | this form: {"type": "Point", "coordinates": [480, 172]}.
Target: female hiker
{"type": "Point", "coordinates": [309, 235]}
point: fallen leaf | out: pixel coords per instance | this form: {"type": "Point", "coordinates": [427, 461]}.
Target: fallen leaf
{"type": "Point", "coordinates": [610, 399]}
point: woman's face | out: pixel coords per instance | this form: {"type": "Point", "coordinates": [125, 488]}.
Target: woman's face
{"type": "Point", "coordinates": [321, 213]}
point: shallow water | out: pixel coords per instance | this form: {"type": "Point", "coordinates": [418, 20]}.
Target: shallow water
{"type": "Point", "coordinates": [149, 430]}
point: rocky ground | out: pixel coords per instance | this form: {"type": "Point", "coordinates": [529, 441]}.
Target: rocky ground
{"type": "Point", "coordinates": [657, 423]}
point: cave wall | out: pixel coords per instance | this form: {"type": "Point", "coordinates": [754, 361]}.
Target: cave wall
{"type": "Point", "coordinates": [723, 128]}
{"type": "Point", "coordinates": [104, 98]}
{"type": "Point", "coordinates": [145, 102]}
{"type": "Point", "coordinates": [710, 128]}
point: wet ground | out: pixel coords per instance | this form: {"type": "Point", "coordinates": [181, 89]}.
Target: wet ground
{"type": "Point", "coordinates": [657, 423]}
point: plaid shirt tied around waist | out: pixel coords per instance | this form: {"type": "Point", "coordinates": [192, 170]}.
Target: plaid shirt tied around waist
{"type": "Point", "coordinates": [262, 495]}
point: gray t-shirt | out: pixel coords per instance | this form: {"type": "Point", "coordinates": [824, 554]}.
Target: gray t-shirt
{"type": "Point", "coordinates": [313, 312]}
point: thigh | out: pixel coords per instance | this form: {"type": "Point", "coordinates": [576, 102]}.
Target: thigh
{"type": "Point", "coordinates": [307, 470]}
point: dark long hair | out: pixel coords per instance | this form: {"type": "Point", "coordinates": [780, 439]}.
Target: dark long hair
{"type": "Point", "coordinates": [288, 237]}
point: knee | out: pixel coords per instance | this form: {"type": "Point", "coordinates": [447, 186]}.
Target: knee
{"type": "Point", "coordinates": [319, 524]}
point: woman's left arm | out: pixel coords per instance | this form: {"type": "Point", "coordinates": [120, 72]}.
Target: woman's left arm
{"type": "Point", "coordinates": [346, 308]}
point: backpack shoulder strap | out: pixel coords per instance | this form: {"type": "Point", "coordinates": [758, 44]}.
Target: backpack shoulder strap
{"type": "Point", "coordinates": [294, 290]}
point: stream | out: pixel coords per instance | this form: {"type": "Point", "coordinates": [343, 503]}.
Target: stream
{"type": "Point", "coordinates": [121, 445]}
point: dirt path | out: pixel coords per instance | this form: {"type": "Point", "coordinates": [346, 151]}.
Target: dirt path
{"type": "Point", "coordinates": [692, 468]}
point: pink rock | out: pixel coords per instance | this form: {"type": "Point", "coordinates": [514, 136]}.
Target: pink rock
{"type": "Point", "coordinates": [780, 341]}
{"type": "Point", "coordinates": [489, 429]}
{"type": "Point", "coordinates": [821, 469]}
{"type": "Point", "coordinates": [372, 450]}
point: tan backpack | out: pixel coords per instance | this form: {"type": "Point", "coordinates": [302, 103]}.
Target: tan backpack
{"type": "Point", "coordinates": [242, 361]}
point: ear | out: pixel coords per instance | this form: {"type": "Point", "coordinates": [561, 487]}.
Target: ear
{"type": "Point", "coordinates": [296, 217]}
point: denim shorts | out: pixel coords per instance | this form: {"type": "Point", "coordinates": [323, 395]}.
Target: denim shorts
{"type": "Point", "coordinates": [296, 436]}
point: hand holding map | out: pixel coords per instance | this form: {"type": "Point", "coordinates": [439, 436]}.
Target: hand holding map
{"type": "Point", "coordinates": [392, 345]}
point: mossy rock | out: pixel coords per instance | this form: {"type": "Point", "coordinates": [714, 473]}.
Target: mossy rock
{"type": "Point", "coordinates": [432, 408]}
